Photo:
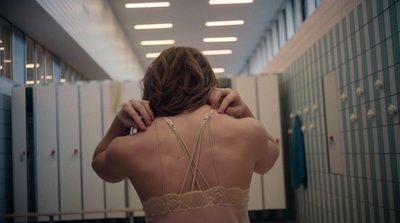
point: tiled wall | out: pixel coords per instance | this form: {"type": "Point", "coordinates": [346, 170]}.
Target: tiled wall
{"type": "Point", "coordinates": [361, 47]}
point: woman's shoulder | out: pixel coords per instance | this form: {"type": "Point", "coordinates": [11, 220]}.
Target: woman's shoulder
{"type": "Point", "coordinates": [249, 128]}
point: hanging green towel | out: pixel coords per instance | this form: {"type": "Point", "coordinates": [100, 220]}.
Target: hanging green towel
{"type": "Point", "coordinates": [297, 162]}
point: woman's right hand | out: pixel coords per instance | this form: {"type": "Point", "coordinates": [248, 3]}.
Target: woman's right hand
{"type": "Point", "coordinates": [136, 114]}
{"type": "Point", "coordinates": [229, 102]}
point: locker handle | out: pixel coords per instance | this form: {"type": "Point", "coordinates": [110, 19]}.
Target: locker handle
{"type": "Point", "coordinates": [331, 140]}
{"type": "Point", "coordinates": [75, 151]}
{"type": "Point", "coordinates": [52, 152]}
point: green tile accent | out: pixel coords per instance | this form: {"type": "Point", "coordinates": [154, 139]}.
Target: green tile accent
{"type": "Point", "coordinates": [364, 67]}
{"type": "Point", "coordinates": [379, 6]}
{"type": "Point", "coordinates": [360, 16]}
{"type": "Point", "coordinates": [397, 72]}
{"type": "Point", "coordinates": [355, 60]}
{"type": "Point", "coordinates": [351, 22]}
{"type": "Point", "coordinates": [393, 19]}
{"type": "Point", "coordinates": [333, 59]}
{"type": "Point", "coordinates": [396, 49]}
{"type": "Point", "coordinates": [373, 60]}
{"type": "Point", "coordinates": [325, 39]}
{"type": "Point", "coordinates": [362, 39]}
{"type": "Point", "coordinates": [371, 34]}
{"type": "Point", "coordinates": [385, 193]}
{"type": "Point", "coordinates": [369, 10]}
{"type": "Point", "coordinates": [386, 83]}
{"type": "Point", "coordinates": [320, 56]}
{"type": "Point", "coordinates": [381, 22]}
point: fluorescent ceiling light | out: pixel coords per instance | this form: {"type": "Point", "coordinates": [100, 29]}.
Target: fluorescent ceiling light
{"type": "Point", "coordinates": [220, 2]}
{"type": "Point", "coordinates": [152, 55]}
{"type": "Point", "coordinates": [225, 23]}
{"type": "Point", "coordinates": [1, 48]}
{"type": "Point", "coordinates": [220, 39]}
{"type": "Point", "coordinates": [216, 52]}
{"type": "Point", "coordinates": [157, 42]}
{"type": "Point", "coordinates": [63, 80]}
{"type": "Point", "coordinates": [31, 65]}
{"type": "Point", "coordinates": [1, 67]}
{"type": "Point", "coordinates": [48, 77]}
{"type": "Point", "coordinates": [33, 82]}
{"type": "Point", "coordinates": [218, 70]}
{"type": "Point", "coordinates": [147, 5]}
{"type": "Point", "coordinates": [7, 61]}
{"type": "Point", "coordinates": [154, 26]}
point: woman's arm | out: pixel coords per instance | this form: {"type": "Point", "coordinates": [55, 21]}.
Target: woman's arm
{"type": "Point", "coordinates": [229, 101]}
{"type": "Point", "coordinates": [135, 114]}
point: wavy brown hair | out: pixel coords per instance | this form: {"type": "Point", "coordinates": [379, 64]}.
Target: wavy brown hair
{"type": "Point", "coordinates": [179, 79]}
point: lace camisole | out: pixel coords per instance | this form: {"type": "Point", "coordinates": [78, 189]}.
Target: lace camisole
{"type": "Point", "coordinates": [215, 204]}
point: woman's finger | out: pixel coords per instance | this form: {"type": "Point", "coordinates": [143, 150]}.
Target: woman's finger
{"type": "Point", "coordinates": [228, 100]}
{"type": "Point", "coordinates": [146, 105]}
{"type": "Point", "coordinates": [131, 109]}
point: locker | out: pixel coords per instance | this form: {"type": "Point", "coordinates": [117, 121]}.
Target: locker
{"type": "Point", "coordinates": [91, 134]}
{"type": "Point", "coordinates": [246, 86]}
{"type": "Point", "coordinates": [69, 150]}
{"type": "Point", "coordinates": [19, 153]}
{"type": "Point", "coordinates": [115, 192]}
{"type": "Point", "coordinates": [45, 135]}
{"type": "Point", "coordinates": [269, 116]}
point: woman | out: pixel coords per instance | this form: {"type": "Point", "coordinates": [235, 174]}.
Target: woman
{"type": "Point", "coordinates": [187, 162]}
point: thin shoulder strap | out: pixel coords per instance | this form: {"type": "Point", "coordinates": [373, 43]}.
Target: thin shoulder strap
{"type": "Point", "coordinates": [161, 163]}
{"type": "Point", "coordinates": [190, 157]}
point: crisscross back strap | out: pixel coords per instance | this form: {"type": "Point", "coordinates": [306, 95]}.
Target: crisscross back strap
{"type": "Point", "coordinates": [192, 157]}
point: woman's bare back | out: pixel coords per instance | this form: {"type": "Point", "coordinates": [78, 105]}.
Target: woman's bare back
{"type": "Point", "coordinates": [156, 164]}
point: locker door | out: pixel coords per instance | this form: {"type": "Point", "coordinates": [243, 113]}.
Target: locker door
{"type": "Point", "coordinates": [69, 151]}
{"type": "Point", "coordinates": [46, 149]}
{"type": "Point", "coordinates": [246, 86]}
{"type": "Point", "coordinates": [115, 193]}
{"type": "Point", "coordinates": [132, 90]}
{"type": "Point", "coordinates": [91, 134]}
{"type": "Point", "coordinates": [269, 115]}
{"type": "Point", "coordinates": [19, 162]}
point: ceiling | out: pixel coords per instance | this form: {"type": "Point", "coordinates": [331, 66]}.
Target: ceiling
{"type": "Point", "coordinates": [189, 17]}
{"type": "Point", "coordinates": [48, 22]}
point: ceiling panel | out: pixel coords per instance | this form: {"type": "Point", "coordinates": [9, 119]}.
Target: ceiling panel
{"type": "Point", "coordinates": [189, 18]}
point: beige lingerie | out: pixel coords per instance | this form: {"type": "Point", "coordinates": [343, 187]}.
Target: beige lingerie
{"type": "Point", "coordinates": [217, 200]}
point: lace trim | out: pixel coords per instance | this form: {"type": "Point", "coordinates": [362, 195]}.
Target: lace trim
{"type": "Point", "coordinates": [218, 195]}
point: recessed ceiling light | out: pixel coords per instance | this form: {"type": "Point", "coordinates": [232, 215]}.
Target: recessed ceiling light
{"type": "Point", "coordinates": [225, 23]}
{"type": "Point", "coordinates": [220, 39]}
{"type": "Point", "coordinates": [147, 5]}
{"type": "Point", "coordinates": [154, 26]}
{"type": "Point", "coordinates": [157, 42]}
{"type": "Point", "coordinates": [220, 2]}
{"type": "Point", "coordinates": [152, 55]}
{"type": "Point", "coordinates": [216, 52]}
{"type": "Point", "coordinates": [218, 70]}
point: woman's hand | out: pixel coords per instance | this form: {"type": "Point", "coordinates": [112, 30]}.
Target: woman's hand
{"type": "Point", "coordinates": [229, 102]}
{"type": "Point", "coordinates": [136, 114]}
